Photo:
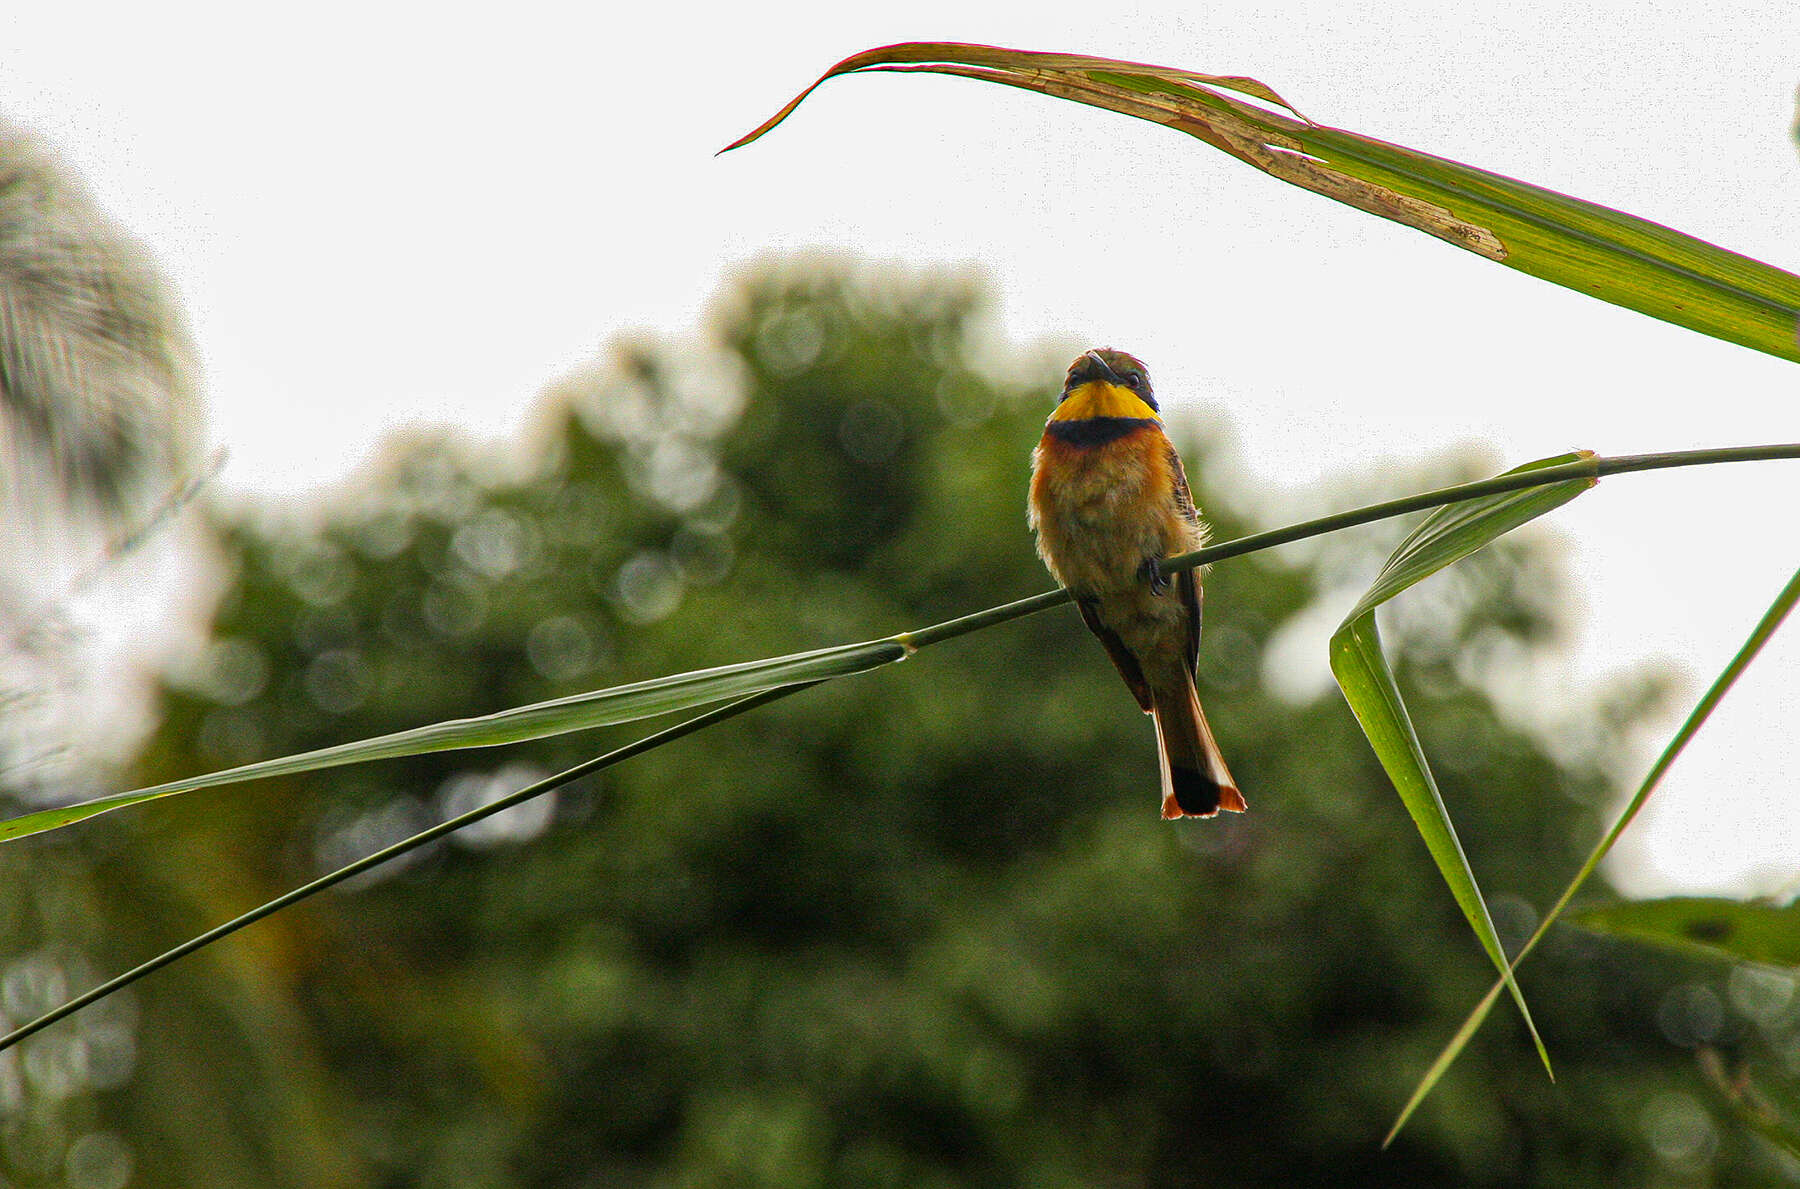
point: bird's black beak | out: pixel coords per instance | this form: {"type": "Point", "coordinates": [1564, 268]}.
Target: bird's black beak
{"type": "Point", "coordinates": [1111, 375]}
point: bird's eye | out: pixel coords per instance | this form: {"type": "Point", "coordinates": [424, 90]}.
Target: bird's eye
{"type": "Point", "coordinates": [1134, 380]}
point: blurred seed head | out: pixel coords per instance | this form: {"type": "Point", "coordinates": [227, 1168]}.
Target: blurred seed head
{"type": "Point", "coordinates": [97, 401]}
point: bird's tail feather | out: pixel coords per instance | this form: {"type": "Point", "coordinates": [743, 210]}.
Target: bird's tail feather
{"type": "Point", "coordinates": [1195, 781]}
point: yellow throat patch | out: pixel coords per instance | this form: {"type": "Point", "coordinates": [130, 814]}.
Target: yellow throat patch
{"type": "Point", "coordinates": [1098, 398]}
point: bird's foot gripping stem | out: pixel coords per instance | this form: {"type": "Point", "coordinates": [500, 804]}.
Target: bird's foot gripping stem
{"type": "Point", "coordinates": [1151, 572]}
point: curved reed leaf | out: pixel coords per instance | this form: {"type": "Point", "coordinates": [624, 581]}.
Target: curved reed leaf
{"type": "Point", "coordinates": [1581, 245]}
{"type": "Point", "coordinates": [1446, 536]}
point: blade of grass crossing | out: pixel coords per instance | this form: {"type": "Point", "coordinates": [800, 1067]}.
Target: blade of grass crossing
{"type": "Point", "coordinates": [667, 735]}
{"type": "Point", "coordinates": [1765, 628]}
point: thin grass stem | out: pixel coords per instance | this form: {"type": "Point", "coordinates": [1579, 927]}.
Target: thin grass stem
{"type": "Point", "coordinates": [1765, 628]}
{"type": "Point", "coordinates": [367, 862]}
{"type": "Point", "coordinates": [1590, 467]}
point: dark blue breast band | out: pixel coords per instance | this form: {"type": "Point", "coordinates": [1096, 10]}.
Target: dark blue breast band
{"type": "Point", "coordinates": [1096, 431]}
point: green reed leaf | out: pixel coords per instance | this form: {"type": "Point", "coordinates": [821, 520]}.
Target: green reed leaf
{"type": "Point", "coordinates": [1362, 672]}
{"type": "Point", "coordinates": [1592, 249]}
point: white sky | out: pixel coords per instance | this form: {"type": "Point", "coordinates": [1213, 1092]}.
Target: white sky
{"type": "Point", "coordinates": [379, 215]}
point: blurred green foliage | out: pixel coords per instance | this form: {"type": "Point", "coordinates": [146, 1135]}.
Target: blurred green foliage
{"type": "Point", "coordinates": [922, 927]}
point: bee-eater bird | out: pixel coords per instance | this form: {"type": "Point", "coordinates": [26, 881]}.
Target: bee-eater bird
{"type": "Point", "coordinates": [1110, 501]}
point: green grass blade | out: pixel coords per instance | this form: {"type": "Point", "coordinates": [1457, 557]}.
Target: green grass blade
{"type": "Point", "coordinates": [1362, 672]}
{"type": "Point", "coordinates": [1368, 684]}
{"type": "Point", "coordinates": [1452, 533]}
{"type": "Point", "coordinates": [1713, 927]}
{"type": "Point", "coordinates": [1759, 636]}
{"type": "Point", "coordinates": [619, 704]}
{"type": "Point", "coordinates": [388, 853]}
{"type": "Point", "coordinates": [1592, 249]}
{"type": "Point", "coordinates": [665, 694]}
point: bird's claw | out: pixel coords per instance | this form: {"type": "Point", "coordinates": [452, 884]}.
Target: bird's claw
{"type": "Point", "coordinates": [1151, 572]}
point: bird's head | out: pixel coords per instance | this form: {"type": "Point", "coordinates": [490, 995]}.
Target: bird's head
{"type": "Point", "coordinates": [1106, 383]}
